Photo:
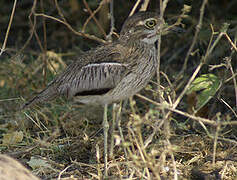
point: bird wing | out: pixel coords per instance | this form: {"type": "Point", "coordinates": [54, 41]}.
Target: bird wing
{"type": "Point", "coordinates": [94, 73]}
{"type": "Point", "coordinates": [92, 79]}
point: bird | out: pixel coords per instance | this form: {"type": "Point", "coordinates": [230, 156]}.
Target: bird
{"type": "Point", "coordinates": [111, 72]}
{"type": "Point", "coordinates": [10, 169]}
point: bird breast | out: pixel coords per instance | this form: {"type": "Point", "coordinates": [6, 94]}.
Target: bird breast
{"type": "Point", "coordinates": [138, 77]}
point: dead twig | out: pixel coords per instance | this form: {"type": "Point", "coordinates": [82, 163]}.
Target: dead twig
{"type": "Point", "coordinates": [8, 28]}
{"type": "Point", "coordinates": [93, 17]}
{"type": "Point", "coordinates": [92, 37]}
{"type": "Point", "coordinates": [198, 27]}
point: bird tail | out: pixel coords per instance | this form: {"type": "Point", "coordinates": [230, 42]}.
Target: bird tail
{"type": "Point", "coordinates": [47, 94]}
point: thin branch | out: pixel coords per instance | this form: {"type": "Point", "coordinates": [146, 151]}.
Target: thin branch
{"type": "Point", "coordinates": [92, 37]}
{"type": "Point", "coordinates": [134, 8]}
{"type": "Point", "coordinates": [31, 31]}
{"type": "Point", "coordinates": [112, 28]}
{"type": "Point", "coordinates": [228, 61]}
{"type": "Point", "coordinates": [163, 106]}
{"type": "Point", "coordinates": [196, 118]}
{"type": "Point", "coordinates": [222, 100]}
{"type": "Point", "coordinates": [8, 28]}
{"type": "Point", "coordinates": [33, 27]}
{"type": "Point", "coordinates": [44, 44]}
{"type": "Point", "coordinates": [198, 27]}
{"type": "Point", "coordinates": [165, 119]}
{"type": "Point", "coordinates": [144, 5]}
{"type": "Point", "coordinates": [232, 44]}
{"type": "Point", "coordinates": [215, 140]}
{"type": "Point", "coordinates": [162, 9]}
{"type": "Point", "coordinates": [93, 16]}
{"type": "Point", "coordinates": [59, 10]}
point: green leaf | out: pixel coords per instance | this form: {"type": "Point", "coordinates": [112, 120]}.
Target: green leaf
{"type": "Point", "coordinates": [206, 87]}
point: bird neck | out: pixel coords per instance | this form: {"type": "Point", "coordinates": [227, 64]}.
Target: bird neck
{"type": "Point", "coordinates": [136, 44]}
{"type": "Point", "coordinates": [137, 52]}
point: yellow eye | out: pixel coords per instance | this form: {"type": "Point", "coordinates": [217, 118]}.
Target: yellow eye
{"type": "Point", "coordinates": [151, 23]}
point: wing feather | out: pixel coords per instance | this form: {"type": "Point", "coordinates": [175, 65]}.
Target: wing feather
{"type": "Point", "coordinates": [95, 77]}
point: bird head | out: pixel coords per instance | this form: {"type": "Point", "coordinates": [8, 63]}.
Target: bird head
{"type": "Point", "coordinates": [144, 27]}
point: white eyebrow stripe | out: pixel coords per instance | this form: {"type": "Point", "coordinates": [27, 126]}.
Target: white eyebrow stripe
{"type": "Point", "coordinates": [140, 23]}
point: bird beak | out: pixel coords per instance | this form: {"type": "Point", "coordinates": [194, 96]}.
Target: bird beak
{"type": "Point", "coordinates": [176, 29]}
{"type": "Point", "coordinates": [173, 28]}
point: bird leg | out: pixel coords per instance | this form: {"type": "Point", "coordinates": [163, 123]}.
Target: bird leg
{"type": "Point", "coordinates": [115, 108]}
{"type": "Point", "coordinates": [118, 119]}
{"type": "Point", "coordinates": [106, 128]}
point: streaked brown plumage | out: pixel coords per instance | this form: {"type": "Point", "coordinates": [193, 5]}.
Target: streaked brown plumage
{"type": "Point", "coordinates": [10, 169]}
{"type": "Point", "coordinates": [111, 72]}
